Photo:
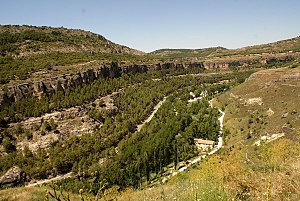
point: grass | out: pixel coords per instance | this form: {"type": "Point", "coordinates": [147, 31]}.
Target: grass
{"type": "Point", "coordinates": [198, 184]}
{"type": "Point", "coordinates": [278, 90]}
{"type": "Point", "coordinates": [21, 193]}
{"type": "Point", "coordinates": [37, 194]}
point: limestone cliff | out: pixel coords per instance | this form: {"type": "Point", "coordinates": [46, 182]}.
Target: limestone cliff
{"type": "Point", "coordinates": [11, 93]}
{"type": "Point", "coordinates": [14, 92]}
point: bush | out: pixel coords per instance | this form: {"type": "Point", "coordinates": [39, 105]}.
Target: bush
{"type": "Point", "coordinates": [49, 125]}
{"type": "Point", "coordinates": [28, 134]}
{"type": "Point", "coordinates": [8, 145]}
{"type": "Point", "coordinates": [18, 129]}
{"type": "Point", "coordinates": [52, 124]}
{"type": "Point", "coordinates": [46, 127]}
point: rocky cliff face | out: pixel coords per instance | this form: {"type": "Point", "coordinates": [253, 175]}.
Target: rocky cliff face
{"type": "Point", "coordinates": [13, 93]}
{"type": "Point", "coordinates": [244, 62]}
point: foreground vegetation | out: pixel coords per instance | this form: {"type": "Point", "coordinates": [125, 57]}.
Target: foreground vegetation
{"type": "Point", "coordinates": [268, 172]}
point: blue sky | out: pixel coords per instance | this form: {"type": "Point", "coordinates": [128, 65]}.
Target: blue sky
{"type": "Point", "coordinates": [153, 24]}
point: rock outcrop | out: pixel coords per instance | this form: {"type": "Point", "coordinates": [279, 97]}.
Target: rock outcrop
{"type": "Point", "coordinates": [13, 177]}
{"type": "Point", "coordinates": [70, 122]}
{"type": "Point", "coordinates": [13, 93]}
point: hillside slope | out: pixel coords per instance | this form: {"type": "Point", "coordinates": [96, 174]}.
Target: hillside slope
{"type": "Point", "coordinates": [186, 53]}
{"type": "Point", "coordinates": [264, 105]}
{"type": "Point", "coordinates": [284, 46]}
{"type": "Point", "coordinates": [72, 101]}
{"type": "Point", "coordinates": [28, 40]}
{"type": "Point", "coordinates": [25, 50]}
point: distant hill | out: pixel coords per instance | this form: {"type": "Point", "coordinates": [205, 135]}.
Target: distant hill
{"type": "Point", "coordinates": [28, 40]}
{"type": "Point", "coordinates": [284, 46]}
{"type": "Point", "coordinates": [28, 49]}
{"type": "Point", "coordinates": [183, 53]}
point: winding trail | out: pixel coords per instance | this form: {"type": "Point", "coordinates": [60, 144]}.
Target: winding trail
{"type": "Point", "coordinates": [155, 109]}
{"type": "Point", "coordinates": [57, 178]}
{"type": "Point", "coordinates": [195, 160]}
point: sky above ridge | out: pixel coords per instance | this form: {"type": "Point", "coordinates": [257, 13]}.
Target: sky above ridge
{"type": "Point", "coordinates": [149, 25]}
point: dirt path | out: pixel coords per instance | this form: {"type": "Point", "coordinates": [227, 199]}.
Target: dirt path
{"type": "Point", "coordinates": [140, 126]}
{"type": "Point", "coordinates": [82, 64]}
{"type": "Point", "coordinates": [59, 177]}
{"type": "Point", "coordinates": [108, 100]}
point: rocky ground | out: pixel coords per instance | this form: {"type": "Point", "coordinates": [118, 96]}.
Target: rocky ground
{"type": "Point", "coordinates": [68, 122]}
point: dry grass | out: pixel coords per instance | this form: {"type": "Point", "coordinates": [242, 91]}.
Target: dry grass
{"type": "Point", "coordinates": [278, 89]}
{"type": "Point", "coordinates": [21, 193]}
{"type": "Point", "coordinates": [198, 184]}
{"type": "Point", "coordinates": [34, 194]}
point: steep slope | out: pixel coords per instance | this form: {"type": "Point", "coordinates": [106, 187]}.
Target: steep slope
{"type": "Point", "coordinates": [241, 170]}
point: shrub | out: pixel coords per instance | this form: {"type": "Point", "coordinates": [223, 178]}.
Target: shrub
{"type": "Point", "coordinates": [8, 145]}
{"type": "Point", "coordinates": [28, 134]}
{"type": "Point", "coordinates": [18, 129]}
{"type": "Point", "coordinates": [46, 127]}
